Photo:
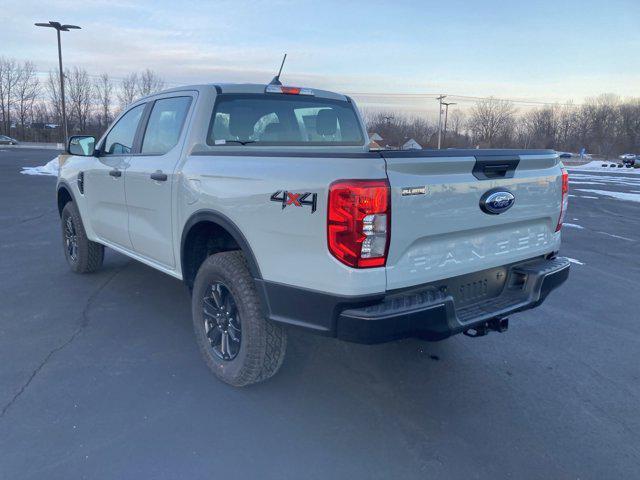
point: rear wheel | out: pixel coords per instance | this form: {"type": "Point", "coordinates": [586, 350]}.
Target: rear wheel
{"type": "Point", "coordinates": [236, 340]}
{"type": "Point", "coordinates": [83, 255]}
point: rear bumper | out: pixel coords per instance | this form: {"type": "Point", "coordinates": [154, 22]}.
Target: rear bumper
{"type": "Point", "coordinates": [433, 311]}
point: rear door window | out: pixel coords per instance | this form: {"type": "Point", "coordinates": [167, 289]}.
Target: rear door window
{"type": "Point", "coordinates": [274, 119]}
{"type": "Point", "coordinates": [165, 125]}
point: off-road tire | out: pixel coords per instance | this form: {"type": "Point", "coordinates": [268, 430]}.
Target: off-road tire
{"type": "Point", "coordinates": [90, 255]}
{"type": "Point", "coordinates": [263, 343]}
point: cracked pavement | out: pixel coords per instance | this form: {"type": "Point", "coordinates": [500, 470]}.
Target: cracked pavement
{"type": "Point", "coordinates": [100, 376]}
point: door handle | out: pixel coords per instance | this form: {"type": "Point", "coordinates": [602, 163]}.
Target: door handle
{"type": "Point", "coordinates": [159, 176]}
{"type": "Point", "coordinates": [115, 173]}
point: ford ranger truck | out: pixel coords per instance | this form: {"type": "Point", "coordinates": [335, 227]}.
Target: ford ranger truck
{"type": "Point", "coordinates": [266, 201]}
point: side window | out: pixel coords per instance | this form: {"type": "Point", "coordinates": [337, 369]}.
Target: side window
{"type": "Point", "coordinates": [165, 125]}
{"type": "Point", "coordinates": [119, 140]}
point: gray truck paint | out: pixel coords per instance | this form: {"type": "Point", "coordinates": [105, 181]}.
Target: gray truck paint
{"type": "Point", "coordinates": [433, 236]}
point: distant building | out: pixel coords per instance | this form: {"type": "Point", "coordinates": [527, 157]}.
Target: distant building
{"type": "Point", "coordinates": [373, 145]}
{"type": "Point", "coordinates": [410, 144]}
{"type": "Point", "coordinates": [377, 142]}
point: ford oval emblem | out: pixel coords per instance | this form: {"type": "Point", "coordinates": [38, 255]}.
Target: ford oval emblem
{"type": "Point", "coordinates": [497, 201]}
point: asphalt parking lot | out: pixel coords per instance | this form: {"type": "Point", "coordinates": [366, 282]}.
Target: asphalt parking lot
{"type": "Point", "coordinates": [100, 376]}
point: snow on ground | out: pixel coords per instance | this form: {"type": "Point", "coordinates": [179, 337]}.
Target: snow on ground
{"type": "Point", "coordinates": [51, 168]}
{"type": "Point", "coordinates": [586, 179]}
{"type": "Point", "coordinates": [573, 260]}
{"type": "Point", "coordinates": [620, 237]}
{"type": "Point", "coordinates": [597, 167]}
{"type": "Point", "coordinates": [629, 197]}
{"type": "Point", "coordinates": [573, 225]}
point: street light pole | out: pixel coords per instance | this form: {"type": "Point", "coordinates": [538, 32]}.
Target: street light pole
{"type": "Point", "coordinates": [446, 116]}
{"type": "Point", "coordinates": [60, 28]}
{"type": "Point", "coordinates": [440, 98]}
{"type": "Point", "coordinates": [64, 108]}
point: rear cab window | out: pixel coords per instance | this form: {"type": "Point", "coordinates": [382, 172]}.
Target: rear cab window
{"type": "Point", "coordinates": [165, 125]}
{"type": "Point", "coordinates": [283, 120]}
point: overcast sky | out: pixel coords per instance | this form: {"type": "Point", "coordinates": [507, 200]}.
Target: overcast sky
{"type": "Point", "coordinates": [546, 50]}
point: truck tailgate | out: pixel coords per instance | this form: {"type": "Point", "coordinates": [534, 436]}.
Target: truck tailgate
{"type": "Point", "coordinates": [438, 228]}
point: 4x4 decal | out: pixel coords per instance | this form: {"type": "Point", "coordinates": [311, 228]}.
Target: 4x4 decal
{"type": "Point", "coordinates": [295, 199]}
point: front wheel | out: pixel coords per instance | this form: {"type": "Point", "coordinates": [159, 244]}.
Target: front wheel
{"type": "Point", "coordinates": [83, 255]}
{"type": "Point", "coordinates": [236, 340]}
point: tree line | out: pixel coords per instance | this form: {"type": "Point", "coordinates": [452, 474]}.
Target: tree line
{"type": "Point", "coordinates": [31, 107]}
{"type": "Point", "coordinates": [607, 125]}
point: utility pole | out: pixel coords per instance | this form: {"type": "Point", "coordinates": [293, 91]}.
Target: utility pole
{"type": "Point", "coordinates": [446, 115]}
{"type": "Point", "coordinates": [440, 98]}
{"type": "Point", "coordinates": [60, 28]}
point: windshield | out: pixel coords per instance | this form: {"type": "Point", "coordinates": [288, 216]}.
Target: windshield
{"type": "Point", "coordinates": [276, 119]}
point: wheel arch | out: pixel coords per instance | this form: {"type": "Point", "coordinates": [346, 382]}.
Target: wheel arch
{"type": "Point", "coordinates": [64, 195]}
{"type": "Point", "coordinates": [209, 224]}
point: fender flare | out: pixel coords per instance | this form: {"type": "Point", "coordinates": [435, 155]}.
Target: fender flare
{"type": "Point", "coordinates": [63, 185]}
{"type": "Point", "coordinates": [224, 222]}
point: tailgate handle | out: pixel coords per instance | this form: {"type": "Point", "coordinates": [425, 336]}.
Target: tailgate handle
{"type": "Point", "coordinates": [495, 167]}
{"type": "Point", "coordinates": [495, 171]}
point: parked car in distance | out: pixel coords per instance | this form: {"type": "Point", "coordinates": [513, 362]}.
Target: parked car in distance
{"type": "Point", "coordinates": [266, 201]}
{"type": "Point", "coordinates": [4, 140]}
{"type": "Point", "coordinates": [565, 155]}
{"type": "Point", "coordinates": [629, 159]}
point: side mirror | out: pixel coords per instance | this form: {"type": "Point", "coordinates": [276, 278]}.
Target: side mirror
{"type": "Point", "coordinates": [82, 145]}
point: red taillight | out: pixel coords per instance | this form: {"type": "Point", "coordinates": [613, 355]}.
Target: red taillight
{"type": "Point", "coordinates": [288, 90]}
{"type": "Point", "coordinates": [359, 221]}
{"type": "Point", "coordinates": [565, 199]}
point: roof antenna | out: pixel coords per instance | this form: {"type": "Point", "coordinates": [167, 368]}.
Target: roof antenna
{"type": "Point", "coordinates": [276, 79]}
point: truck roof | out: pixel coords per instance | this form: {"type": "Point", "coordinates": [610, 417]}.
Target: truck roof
{"type": "Point", "coordinates": [247, 88]}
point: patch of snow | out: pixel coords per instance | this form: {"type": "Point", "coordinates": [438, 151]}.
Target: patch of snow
{"type": "Point", "coordinates": [573, 225]}
{"type": "Point", "coordinates": [573, 260]}
{"type": "Point", "coordinates": [617, 236]}
{"type": "Point", "coordinates": [629, 197]}
{"type": "Point", "coordinates": [50, 168]}
{"type": "Point", "coordinates": [582, 196]}
{"type": "Point", "coordinates": [597, 167]}
{"type": "Point", "coordinates": [575, 182]}
{"type": "Point", "coordinates": [582, 178]}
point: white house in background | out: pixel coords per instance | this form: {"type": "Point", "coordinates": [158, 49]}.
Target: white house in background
{"type": "Point", "coordinates": [375, 137]}
{"type": "Point", "coordinates": [411, 144]}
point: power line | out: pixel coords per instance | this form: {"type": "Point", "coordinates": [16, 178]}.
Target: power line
{"type": "Point", "coordinates": [392, 95]}
{"type": "Point", "coordinates": [458, 97]}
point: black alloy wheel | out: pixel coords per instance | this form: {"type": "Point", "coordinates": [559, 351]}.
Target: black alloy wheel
{"type": "Point", "coordinates": [222, 324]}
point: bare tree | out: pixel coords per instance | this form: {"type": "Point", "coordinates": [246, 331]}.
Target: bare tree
{"type": "Point", "coordinates": [53, 93]}
{"type": "Point", "coordinates": [396, 128]}
{"type": "Point", "coordinates": [26, 92]}
{"type": "Point", "coordinates": [540, 127]}
{"type": "Point", "coordinates": [9, 76]}
{"type": "Point", "coordinates": [104, 95]}
{"type": "Point", "coordinates": [492, 122]}
{"type": "Point", "coordinates": [80, 92]}
{"type": "Point", "coordinates": [128, 90]}
{"type": "Point", "coordinates": [604, 122]}
{"type": "Point", "coordinates": [630, 125]}
{"type": "Point", "coordinates": [149, 82]}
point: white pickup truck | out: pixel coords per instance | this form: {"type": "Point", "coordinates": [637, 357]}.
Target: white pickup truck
{"type": "Point", "coordinates": [267, 202]}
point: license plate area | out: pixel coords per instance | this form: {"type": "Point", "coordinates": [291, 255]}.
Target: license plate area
{"type": "Point", "coordinates": [475, 287]}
